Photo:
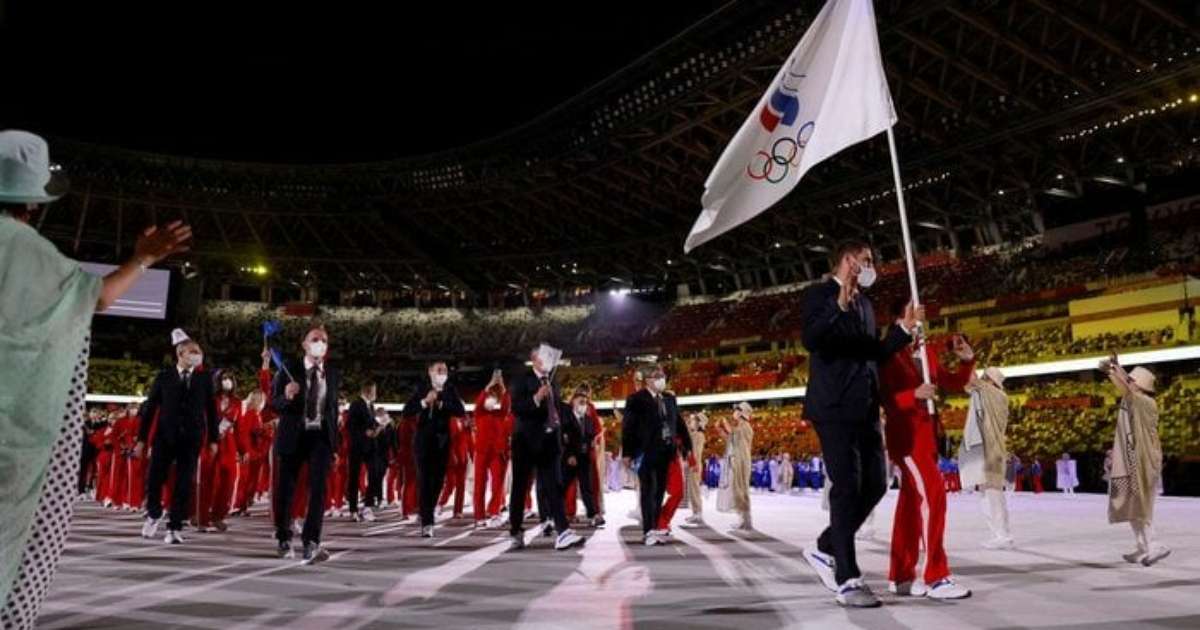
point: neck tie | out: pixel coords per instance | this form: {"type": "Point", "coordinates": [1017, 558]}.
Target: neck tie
{"type": "Point", "coordinates": [310, 397]}
{"type": "Point", "coordinates": [552, 404]}
{"type": "Point", "coordinates": [187, 379]}
{"type": "Point", "coordinates": [862, 312]}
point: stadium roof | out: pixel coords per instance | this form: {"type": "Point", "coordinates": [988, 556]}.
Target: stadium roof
{"type": "Point", "coordinates": [1003, 107]}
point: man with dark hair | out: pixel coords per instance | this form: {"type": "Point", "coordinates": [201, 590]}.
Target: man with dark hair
{"type": "Point", "coordinates": [842, 402]}
{"type": "Point", "coordinates": [434, 403]}
{"type": "Point", "coordinates": [362, 429]}
{"type": "Point", "coordinates": [650, 431]}
{"type": "Point", "coordinates": [307, 434]}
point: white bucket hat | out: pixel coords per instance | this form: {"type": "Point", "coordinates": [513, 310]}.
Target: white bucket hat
{"type": "Point", "coordinates": [744, 407]}
{"type": "Point", "coordinates": [178, 337]}
{"type": "Point", "coordinates": [25, 175]}
{"type": "Point", "coordinates": [995, 375]}
{"type": "Point", "coordinates": [1143, 378]}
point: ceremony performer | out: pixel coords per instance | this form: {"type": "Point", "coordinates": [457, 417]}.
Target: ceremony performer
{"type": "Point", "coordinates": [1137, 460]}
{"type": "Point", "coordinates": [983, 457]}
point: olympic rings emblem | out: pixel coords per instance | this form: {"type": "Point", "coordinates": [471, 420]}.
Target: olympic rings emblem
{"type": "Point", "coordinates": [773, 167]}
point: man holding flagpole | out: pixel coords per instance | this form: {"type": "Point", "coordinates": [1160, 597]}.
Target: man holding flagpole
{"type": "Point", "coordinates": [830, 94]}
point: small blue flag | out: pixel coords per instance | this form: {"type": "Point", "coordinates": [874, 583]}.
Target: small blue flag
{"type": "Point", "coordinates": [271, 327]}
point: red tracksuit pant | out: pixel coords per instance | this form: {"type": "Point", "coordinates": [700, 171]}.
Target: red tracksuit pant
{"type": "Point", "coordinates": [137, 481]}
{"type": "Point", "coordinates": [119, 485]}
{"type": "Point", "coordinates": [489, 462]}
{"type": "Point", "coordinates": [249, 475]}
{"type": "Point", "coordinates": [674, 494]}
{"type": "Point", "coordinates": [921, 510]}
{"type": "Point", "coordinates": [456, 481]}
{"type": "Point", "coordinates": [104, 465]}
{"type": "Point", "coordinates": [217, 490]}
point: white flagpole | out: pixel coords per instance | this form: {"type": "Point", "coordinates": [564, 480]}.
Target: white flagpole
{"type": "Point", "coordinates": [908, 258]}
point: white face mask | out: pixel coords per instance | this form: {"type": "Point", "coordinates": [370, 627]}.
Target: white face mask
{"type": "Point", "coordinates": [439, 380]}
{"type": "Point", "coordinates": [227, 384]}
{"type": "Point", "coordinates": [195, 359]}
{"type": "Point", "coordinates": [580, 410]}
{"type": "Point", "coordinates": [316, 349]}
{"type": "Point", "coordinates": [866, 277]}
{"type": "Point", "coordinates": [491, 404]}
{"type": "Point", "coordinates": [659, 384]}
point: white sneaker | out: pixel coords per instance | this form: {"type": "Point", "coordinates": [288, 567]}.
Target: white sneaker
{"type": "Point", "coordinates": [662, 534]}
{"type": "Point", "coordinates": [427, 531]}
{"type": "Point", "coordinates": [823, 565]}
{"type": "Point", "coordinates": [567, 539]}
{"type": "Point", "coordinates": [173, 537]}
{"type": "Point", "coordinates": [367, 515]}
{"type": "Point", "coordinates": [998, 543]}
{"type": "Point", "coordinates": [529, 515]}
{"type": "Point", "coordinates": [150, 527]}
{"type": "Point", "coordinates": [495, 522]}
{"type": "Point", "coordinates": [856, 594]}
{"type": "Point", "coordinates": [652, 540]}
{"type": "Point", "coordinates": [1157, 553]}
{"type": "Point", "coordinates": [107, 503]}
{"type": "Point", "coordinates": [946, 588]}
{"type": "Point", "coordinates": [908, 589]}
{"type": "Point", "coordinates": [692, 522]}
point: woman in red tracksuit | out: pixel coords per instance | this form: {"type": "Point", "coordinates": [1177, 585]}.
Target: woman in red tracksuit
{"type": "Point", "coordinates": [124, 477]}
{"type": "Point", "coordinates": [254, 440]}
{"type": "Point", "coordinates": [492, 430]}
{"type": "Point", "coordinates": [912, 445]}
{"type": "Point", "coordinates": [218, 473]}
{"type": "Point", "coordinates": [102, 439]}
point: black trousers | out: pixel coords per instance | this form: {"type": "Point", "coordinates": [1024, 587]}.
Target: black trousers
{"type": "Point", "coordinates": [431, 476]}
{"type": "Point", "coordinates": [353, 473]}
{"type": "Point", "coordinates": [543, 459]}
{"type": "Point", "coordinates": [652, 486]}
{"type": "Point", "coordinates": [87, 457]}
{"type": "Point", "coordinates": [376, 470]}
{"type": "Point", "coordinates": [583, 471]}
{"type": "Point", "coordinates": [312, 448]}
{"type": "Point", "coordinates": [184, 453]}
{"type": "Point", "coordinates": [857, 469]}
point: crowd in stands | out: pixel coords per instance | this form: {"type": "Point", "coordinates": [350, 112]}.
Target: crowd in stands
{"type": "Point", "coordinates": [366, 331]}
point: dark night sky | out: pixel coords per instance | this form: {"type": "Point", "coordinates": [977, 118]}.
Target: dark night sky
{"type": "Point", "coordinates": [313, 85]}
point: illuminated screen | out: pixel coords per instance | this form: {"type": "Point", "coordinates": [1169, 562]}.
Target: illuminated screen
{"type": "Point", "coordinates": [147, 299]}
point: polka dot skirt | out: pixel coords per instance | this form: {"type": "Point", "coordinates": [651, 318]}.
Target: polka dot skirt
{"type": "Point", "coordinates": [52, 519]}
